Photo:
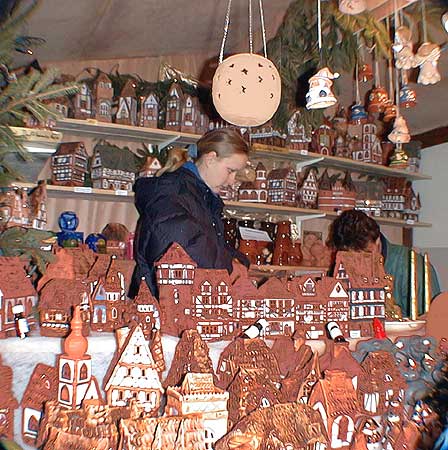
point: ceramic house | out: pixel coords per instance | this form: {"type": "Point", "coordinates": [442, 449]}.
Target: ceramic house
{"type": "Point", "coordinates": [308, 190]}
{"type": "Point", "coordinates": [371, 150]}
{"type": "Point", "coordinates": [127, 105]}
{"type": "Point", "coordinates": [412, 204]}
{"type": "Point", "coordinates": [133, 375]}
{"type": "Point", "coordinates": [341, 148]}
{"type": "Point", "coordinates": [164, 433]}
{"type": "Point", "coordinates": [314, 374]}
{"type": "Point", "coordinates": [149, 110]}
{"type": "Point", "coordinates": [334, 397]}
{"type": "Point", "coordinates": [394, 198]}
{"type": "Point", "coordinates": [42, 387]}
{"type": "Point", "coordinates": [190, 113]}
{"type": "Point", "coordinates": [369, 196]}
{"type": "Point", "coordinates": [84, 104]}
{"type": "Point", "coordinates": [267, 135]}
{"type": "Point", "coordinates": [8, 403]}
{"type": "Point", "coordinates": [198, 394]}
{"type": "Point", "coordinates": [15, 288]}
{"type": "Point", "coordinates": [202, 122]}
{"type": "Point", "coordinates": [74, 367]}
{"type": "Point", "coordinates": [282, 187]}
{"type": "Point", "coordinates": [174, 106]}
{"type": "Point", "coordinates": [150, 167]}
{"type": "Point", "coordinates": [14, 208]}
{"type": "Point", "coordinates": [113, 167]}
{"type": "Point", "coordinates": [69, 165]}
{"type": "Point", "coordinates": [191, 355]}
{"type": "Point", "coordinates": [37, 199]}
{"type": "Point", "coordinates": [324, 139]}
{"type": "Point", "coordinates": [103, 94]}
{"type": "Point", "coordinates": [299, 135]}
{"type": "Point", "coordinates": [255, 191]}
{"type": "Point", "coordinates": [339, 195]}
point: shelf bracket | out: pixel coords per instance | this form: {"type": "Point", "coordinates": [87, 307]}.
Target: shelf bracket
{"type": "Point", "coordinates": [168, 142]}
{"type": "Point", "coordinates": [309, 162]}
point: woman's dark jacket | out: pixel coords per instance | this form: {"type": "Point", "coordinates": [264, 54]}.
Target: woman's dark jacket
{"type": "Point", "coordinates": [178, 207]}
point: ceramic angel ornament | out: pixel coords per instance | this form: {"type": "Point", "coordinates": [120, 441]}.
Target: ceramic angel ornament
{"type": "Point", "coordinates": [427, 58]}
{"type": "Point", "coordinates": [402, 46]}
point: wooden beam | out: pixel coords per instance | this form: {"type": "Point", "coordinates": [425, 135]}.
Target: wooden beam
{"type": "Point", "coordinates": [383, 8]}
{"type": "Point", "coordinates": [433, 137]}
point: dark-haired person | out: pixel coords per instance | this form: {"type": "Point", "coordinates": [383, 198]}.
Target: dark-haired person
{"type": "Point", "coordinates": [183, 205]}
{"type": "Point", "coordinates": [354, 230]}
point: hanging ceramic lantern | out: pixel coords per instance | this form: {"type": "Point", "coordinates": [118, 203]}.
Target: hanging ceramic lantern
{"type": "Point", "coordinates": [365, 73]}
{"type": "Point", "coordinates": [427, 58]}
{"type": "Point", "coordinates": [320, 94]}
{"type": "Point", "coordinates": [408, 97]}
{"type": "Point", "coordinates": [400, 133]}
{"type": "Point", "coordinates": [246, 89]}
{"type": "Point", "coordinates": [352, 7]}
{"type": "Point", "coordinates": [390, 111]}
{"type": "Point", "coordinates": [358, 115]}
{"type": "Point", "coordinates": [377, 100]}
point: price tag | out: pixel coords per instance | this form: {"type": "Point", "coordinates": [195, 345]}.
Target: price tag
{"type": "Point", "coordinates": [304, 151]}
{"type": "Point", "coordinates": [121, 192]}
{"type": "Point", "coordinates": [410, 222]}
{"type": "Point", "coordinates": [82, 190]}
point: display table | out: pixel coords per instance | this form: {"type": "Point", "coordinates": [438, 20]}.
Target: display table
{"type": "Point", "coordinates": [23, 355]}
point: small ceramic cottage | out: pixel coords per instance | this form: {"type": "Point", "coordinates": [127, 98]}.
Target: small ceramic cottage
{"type": "Point", "coordinates": [69, 165]}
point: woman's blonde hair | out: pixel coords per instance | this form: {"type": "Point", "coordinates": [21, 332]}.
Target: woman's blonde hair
{"type": "Point", "coordinates": [224, 141]}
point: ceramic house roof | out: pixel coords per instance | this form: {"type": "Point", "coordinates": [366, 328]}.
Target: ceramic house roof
{"type": "Point", "coordinates": [68, 148]}
{"type": "Point", "coordinates": [151, 163]}
{"type": "Point", "coordinates": [128, 89]}
{"type": "Point", "coordinates": [244, 287]}
{"type": "Point", "coordinates": [42, 387]}
{"type": "Point", "coordinates": [144, 296]}
{"type": "Point", "coordinates": [279, 174]}
{"type": "Point", "coordinates": [13, 280]}
{"type": "Point", "coordinates": [199, 383]}
{"type": "Point", "coordinates": [116, 158]}
{"type": "Point", "coordinates": [99, 267]}
{"type": "Point", "coordinates": [325, 182]}
{"type": "Point", "coordinates": [175, 90]}
{"type": "Point", "coordinates": [176, 254]}
{"type": "Point", "coordinates": [274, 288]}
{"type": "Point", "coordinates": [339, 357]}
{"type": "Point", "coordinates": [62, 294]}
{"type": "Point", "coordinates": [247, 185]}
{"type": "Point", "coordinates": [125, 356]}
{"type": "Point", "coordinates": [260, 166]}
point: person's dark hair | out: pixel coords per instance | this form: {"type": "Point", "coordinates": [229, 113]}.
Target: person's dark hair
{"type": "Point", "coordinates": [353, 230]}
{"type": "Point", "coordinates": [224, 141]}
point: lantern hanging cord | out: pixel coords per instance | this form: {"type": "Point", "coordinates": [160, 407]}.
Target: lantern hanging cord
{"type": "Point", "coordinates": [319, 27]}
{"type": "Point", "coordinates": [396, 19]}
{"type": "Point", "coordinates": [389, 64]}
{"type": "Point", "coordinates": [263, 30]}
{"type": "Point", "coordinates": [251, 44]}
{"type": "Point", "coordinates": [226, 31]}
{"type": "Point", "coordinates": [397, 91]}
{"type": "Point", "coordinates": [358, 97]}
{"type": "Point", "coordinates": [424, 25]}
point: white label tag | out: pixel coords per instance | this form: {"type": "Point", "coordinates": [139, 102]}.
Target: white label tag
{"type": "Point", "coordinates": [410, 222]}
{"type": "Point", "coordinates": [249, 234]}
{"type": "Point", "coordinates": [121, 192]}
{"type": "Point", "coordinates": [82, 189]}
{"type": "Point", "coordinates": [304, 152]}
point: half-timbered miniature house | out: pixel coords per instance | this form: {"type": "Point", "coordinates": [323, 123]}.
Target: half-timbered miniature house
{"type": "Point", "coordinates": [103, 94]}
{"type": "Point", "coordinates": [394, 198]}
{"type": "Point", "coordinates": [323, 140]}
{"type": "Point", "coordinates": [371, 150]}
{"type": "Point", "coordinates": [15, 289]}
{"type": "Point", "coordinates": [282, 187]}
{"type": "Point", "coordinates": [341, 148]}
{"type": "Point", "coordinates": [113, 167]}
{"type": "Point", "coordinates": [198, 394]}
{"type": "Point", "coordinates": [190, 113]}
{"type": "Point", "coordinates": [255, 191]}
{"type": "Point", "coordinates": [149, 110]}
{"type": "Point", "coordinates": [14, 208]}
{"type": "Point", "coordinates": [84, 104]}
{"type": "Point", "coordinates": [412, 204]}
{"type": "Point", "coordinates": [308, 190]}
{"type": "Point", "coordinates": [75, 380]}
{"type": "Point", "coordinates": [42, 387]}
{"type": "Point", "coordinates": [174, 106]}
{"type": "Point", "coordinates": [132, 374]}
{"type": "Point", "coordinates": [127, 105]}
{"type": "Point", "coordinates": [69, 164]}
{"type": "Point", "coordinates": [335, 398]}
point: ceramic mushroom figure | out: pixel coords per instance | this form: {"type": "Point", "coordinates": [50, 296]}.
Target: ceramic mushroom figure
{"type": "Point", "coordinates": [352, 7]}
{"type": "Point", "coordinates": [426, 58]}
{"type": "Point", "coordinates": [404, 56]}
{"type": "Point", "coordinates": [320, 94]}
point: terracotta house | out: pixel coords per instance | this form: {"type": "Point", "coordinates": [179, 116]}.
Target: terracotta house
{"type": "Point", "coordinates": [299, 135]}
{"type": "Point", "coordinates": [323, 139]}
{"type": "Point", "coordinates": [149, 110]}
{"type": "Point", "coordinates": [190, 113]}
{"type": "Point", "coordinates": [341, 148]}
{"type": "Point", "coordinates": [14, 208]}
{"type": "Point", "coordinates": [103, 94]}
{"type": "Point", "coordinates": [127, 105]}
{"type": "Point", "coordinates": [339, 195]}
{"type": "Point", "coordinates": [69, 165]}
{"type": "Point", "coordinates": [37, 200]}
{"type": "Point", "coordinates": [132, 374]}
{"type": "Point", "coordinates": [74, 367]}
{"type": "Point", "coordinates": [42, 387]}
{"type": "Point", "coordinates": [267, 135]}
{"type": "Point", "coordinates": [198, 394]}
{"type": "Point", "coordinates": [394, 198]}
{"type": "Point", "coordinates": [334, 397]}
{"type": "Point", "coordinates": [282, 187]}
{"type": "Point", "coordinates": [255, 191]}
{"type": "Point", "coordinates": [113, 167]}
{"type": "Point", "coordinates": [84, 102]}
{"type": "Point", "coordinates": [371, 151]}
{"type": "Point", "coordinates": [15, 288]}
{"type": "Point", "coordinates": [8, 403]}
{"type": "Point", "coordinates": [412, 204]}
{"type": "Point", "coordinates": [174, 106]}
{"type": "Point", "coordinates": [308, 190]}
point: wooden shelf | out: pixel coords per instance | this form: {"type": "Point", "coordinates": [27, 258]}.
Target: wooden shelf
{"type": "Point", "coordinates": [272, 268]}
{"type": "Point", "coordinates": [93, 128]}
{"type": "Point", "coordinates": [283, 153]}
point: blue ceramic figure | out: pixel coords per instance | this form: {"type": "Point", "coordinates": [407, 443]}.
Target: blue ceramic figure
{"type": "Point", "coordinates": [96, 242]}
{"type": "Point", "coordinates": [68, 222]}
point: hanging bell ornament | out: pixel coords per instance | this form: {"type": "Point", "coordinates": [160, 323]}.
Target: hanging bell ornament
{"type": "Point", "coordinates": [358, 115]}
{"type": "Point", "coordinates": [365, 73]}
{"type": "Point", "coordinates": [427, 58]}
{"type": "Point", "coordinates": [352, 7]}
{"type": "Point", "coordinates": [320, 94]}
{"type": "Point", "coordinates": [377, 100]}
{"type": "Point", "coordinates": [400, 133]}
{"type": "Point", "coordinates": [390, 111]}
{"type": "Point", "coordinates": [408, 97]}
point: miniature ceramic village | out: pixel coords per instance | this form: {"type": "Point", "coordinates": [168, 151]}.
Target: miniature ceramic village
{"type": "Point", "coordinates": [270, 390]}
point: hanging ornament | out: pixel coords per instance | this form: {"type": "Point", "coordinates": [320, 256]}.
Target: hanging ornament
{"type": "Point", "coordinates": [390, 111]}
{"type": "Point", "coordinates": [408, 97]}
{"type": "Point", "coordinates": [427, 56]}
{"type": "Point", "coordinates": [399, 159]}
{"type": "Point", "coordinates": [320, 94]}
{"type": "Point", "coordinates": [365, 73]}
{"type": "Point", "coordinates": [246, 87]}
{"type": "Point", "coordinates": [400, 133]}
{"type": "Point", "coordinates": [352, 7]}
{"type": "Point", "coordinates": [358, 114]}
{"type": "Point", "coordinates": [402, 47]}
{"type": "Point", "coordinates": [378, 96]}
